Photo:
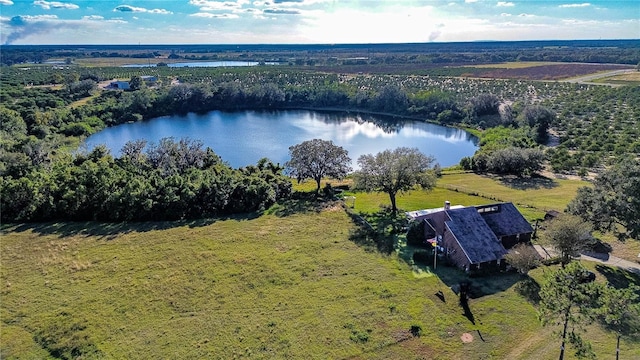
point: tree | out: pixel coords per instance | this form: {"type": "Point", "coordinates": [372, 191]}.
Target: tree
{"type": "Point", "coordinates": [136, 83]}
{"type": "Point", "coordinates": [613, 200]}
{"type": "Point", "coordinates": [82, 88]}
{"type": "Point", "coordinates": [568, 296]}
{"type": "Point", "coordinates": [485, 104]}
{"type": "Point", "coordinates": [569, 235]}
{"type": "Point", "coordinates": [539, 118]}
{"type": "Point", "coordinates": [391, 99]}
{"type": "Point", "coordinates": [620, 310]}
{"type": "Point", "coordinates": [515, 161]}
{"type": "Point", "coordinates": [523, 258]}
{"type": "Point", "coordinates": [316, 159]}
{"type": "Point", "coordinates": [394, 171]}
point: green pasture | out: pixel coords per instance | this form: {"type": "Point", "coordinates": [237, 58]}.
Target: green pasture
{"type": "Point", "coordinates": [533, 196]}
{"type": "Point", "coordinates": [289, 284]}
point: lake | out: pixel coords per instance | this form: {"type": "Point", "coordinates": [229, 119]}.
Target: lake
{"type": "Point", "coordinates": [243, 137]}
{"type": "Point", "coordinates": [202, 64]}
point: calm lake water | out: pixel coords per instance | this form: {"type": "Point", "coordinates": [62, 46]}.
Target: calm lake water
{"type": "Point", "coordinates": [242, 138]}
{"type": "Point", "coordinates": [203, 64]}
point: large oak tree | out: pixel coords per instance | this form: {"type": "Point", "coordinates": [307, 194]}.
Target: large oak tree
{"type": "Point", "coordinates": [395, 171]}
{"type": "Point", "coordinates": [316, 159]}
{"type": "Point", "coordinates": [613, 200]}
{"type": "Point", "coordinates": [569, 235]}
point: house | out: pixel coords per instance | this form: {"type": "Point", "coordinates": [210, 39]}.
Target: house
{"type": "Point", "coordinates": [122, 85]}
{"type": "Point", "coordinates": [149, 80]}
{"type": "Point", "coordinates": [473, 237]}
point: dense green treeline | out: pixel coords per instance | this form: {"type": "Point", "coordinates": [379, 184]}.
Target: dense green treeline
{"type": "Point", "coordinates": [166, 181]}
{"type": "Point", "coordinates": [608, 51]}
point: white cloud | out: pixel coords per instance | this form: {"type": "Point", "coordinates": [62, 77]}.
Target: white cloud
{"type": "Point", "coordinates": [215, 16]}
{"type": "Point", "coordinates": [93, 17]}
{"type": "Point", "coordinates": [134, 9]}
{"type": "Point", "coordinates": [279, 11]}
{"type": "Point", "coordinates": [35, 17]}
{"type": "Point", "coordinates": [6, 2]}
{"type": "Point", "coordinates": [55, 4]}
{"type": "Point", "coordinates": [206, 5]}
{"type": "Point", "coordinates": [505, 14]}
{"type": "Point", "coordinates": [505, 4]}
{"type": "Point", "coordinates": [414, 24]}
{"type": "Point", "coordinates": [160, 11]}
{"type": "Point", "coordinates": [129, 8]}
{"type": "Point", "coordinates": [470, 1]}
{"type": "Point", "coordinates": [575, 5]}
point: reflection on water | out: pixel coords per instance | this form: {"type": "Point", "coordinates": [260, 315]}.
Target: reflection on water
{"type": "Point", "coordinates": [243, 137]}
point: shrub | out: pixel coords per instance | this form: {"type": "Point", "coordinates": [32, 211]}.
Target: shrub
{"type": "Point", "coordinates": [415, 234]}
{"type": "Point", "coordinates": [422, 257]}
{"type": "Point", "coordinates": [416, 330]}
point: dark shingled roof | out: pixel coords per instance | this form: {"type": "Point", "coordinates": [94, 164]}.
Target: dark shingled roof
{"type": "Point", "coordinates": [507, 221]}
{"type": "Point", "coordinates": [475, 237]}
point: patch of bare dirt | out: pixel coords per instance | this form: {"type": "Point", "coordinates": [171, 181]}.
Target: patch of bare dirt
{"type": "Point", "coordinates": [466, 338]}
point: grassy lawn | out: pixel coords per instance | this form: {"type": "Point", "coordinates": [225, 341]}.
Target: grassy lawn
{"type": "Point", "coordinates": [287, 284]}
{"type": "Point", "coordinates": [248, 287]}
{"type": "Point", "coordinates": [82, 101]}
{"type": "Point", "coordinates": [266, 287]}
{"type": "Point", "coordinates": [536, 194]}
{"type": "Point", "coordinates": [533, 196]}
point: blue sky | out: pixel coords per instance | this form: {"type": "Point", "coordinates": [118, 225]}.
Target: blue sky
{"type": "Point", "coordinates": [312, 21]}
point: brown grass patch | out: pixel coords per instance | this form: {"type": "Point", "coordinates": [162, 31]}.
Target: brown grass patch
{"type": "Point", "coordinates": [548, 72]}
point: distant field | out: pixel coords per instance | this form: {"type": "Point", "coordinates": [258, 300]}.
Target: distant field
{"type": "Point", "coordinates": [515, 65]}
{"type": "Point", "coordinates": [630, 78]}
{"type": "Point", "coordinates": [548, 71]}
{"type": "Point", "coordinates": [119, 61]}
{"type": "Point", "coordinates": [288, 286]}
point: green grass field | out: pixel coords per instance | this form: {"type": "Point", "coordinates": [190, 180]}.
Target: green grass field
{"type": "Point", "coordinates": [287, 284]}
{"type": "Point", "coordinates": [533, 196]}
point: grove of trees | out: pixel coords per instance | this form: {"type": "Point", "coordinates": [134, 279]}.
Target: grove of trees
{"type": "Point", "coordinates": [171, 180]}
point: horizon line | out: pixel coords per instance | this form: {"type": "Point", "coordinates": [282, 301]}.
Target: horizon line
{"type": "Point", "coordinates": [329, 44]}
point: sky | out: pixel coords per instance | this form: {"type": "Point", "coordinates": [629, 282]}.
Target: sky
{"type": "Point", "coordinates": [312, 21]}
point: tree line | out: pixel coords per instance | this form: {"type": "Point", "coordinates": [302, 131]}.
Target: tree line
{"type": "Point", "coordinates": [170, 180]}
{"type": "Point", "coordinates": [594, 51]}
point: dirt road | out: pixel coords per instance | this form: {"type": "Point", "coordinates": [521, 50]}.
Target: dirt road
{"type": "Point", "coordinates": [587, 79]}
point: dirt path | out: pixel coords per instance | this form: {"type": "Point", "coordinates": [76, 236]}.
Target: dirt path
{"type": "Point", "coordinates": [546, 252]}
{"type": "Point", "coordinates": [587, 79]}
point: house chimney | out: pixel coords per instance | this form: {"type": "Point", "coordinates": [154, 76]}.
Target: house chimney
{"type": "Point", "coordinates": [447, 205]}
